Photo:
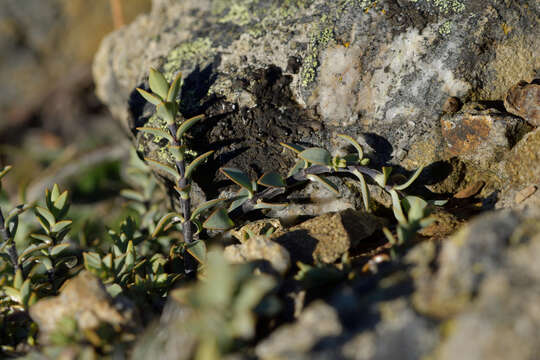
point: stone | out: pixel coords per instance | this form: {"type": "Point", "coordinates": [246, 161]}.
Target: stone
{"type": "Point", "coordinates": [377, 71]}
{"type": "Point", "coordinates": [84, 299]}
{"type": "Point", "coordinates": [523, 100]}
{"type": "Point", "coordinates": [451, 105]}
{"type": "Point", "coordinates": [480, 135]}
{"type": "Point", "coordinates": [260, 249]}
{"type": "Point", "coordinates": [315, 323]}
{"type": "Point", "coordinates": [325, 238]}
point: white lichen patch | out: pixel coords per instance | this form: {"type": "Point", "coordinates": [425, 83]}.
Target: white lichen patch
{"type": "Point", "coordinates": [339, 75]}
{"type": "Point", "coordinates": [405, 70]}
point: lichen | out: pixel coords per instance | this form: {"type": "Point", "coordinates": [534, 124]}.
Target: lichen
{"type": "Point", "coordinates": [319, 40]}
{"type": "Point", "coordinates": [188, 54]}
{"type": "Point", "coordinates": [445, 28]}
{"type": "Point", "coordinates": [446, 6]}
{"type": "Point", "coordinates": [238, 14]}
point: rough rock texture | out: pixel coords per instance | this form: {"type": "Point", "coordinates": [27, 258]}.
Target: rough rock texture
{"type": "Point", "coordinates": [260, 249]}
{"type": "Point", "coordinates": [325, 238]}
{"type": "Point", "coordinates": [523, 100]}
{"type": "Point", "coordinates": [305, 70]}
{"type": "Point", "coordinates": [84, 299]}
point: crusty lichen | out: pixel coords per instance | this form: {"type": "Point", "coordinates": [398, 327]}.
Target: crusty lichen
{"type": "Point", "coordinates": [188, 54]}
{"type": "Point", "coordinates": [318, 41]}
{"type": "Point", "coordinates": [446, 6]}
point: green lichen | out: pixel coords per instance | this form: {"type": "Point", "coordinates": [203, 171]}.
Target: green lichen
{"type": "Point", "coordinates": [238, 14]}
{"type": "Point", "coordinates": [446, 6]}
{"type": "Point", "coordinates": [318, 41]}
{"type": "Point", "coordinates": [188, 54]}
{"type": "Point", "coordinates": [445, 28]}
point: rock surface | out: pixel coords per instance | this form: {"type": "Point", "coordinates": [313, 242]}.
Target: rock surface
{"type": "Point", "coordinates": [260, 249]}
{"type": "Point", "coordinates": [83, 299]}
{"type": "Point", "coordinates": [304, 71]}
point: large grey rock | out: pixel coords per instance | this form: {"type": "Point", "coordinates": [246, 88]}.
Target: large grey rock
{"type": "Point", "coordinates": [303, 71]}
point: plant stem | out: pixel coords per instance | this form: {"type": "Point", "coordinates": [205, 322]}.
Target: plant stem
{"type": "Point", "coordinates": [12, 249]}
{"type": "Point", "coordinates": [185, 204]}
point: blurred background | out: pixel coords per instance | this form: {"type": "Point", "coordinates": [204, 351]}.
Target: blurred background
{"type": "Point", "coordinates": [53, 129]}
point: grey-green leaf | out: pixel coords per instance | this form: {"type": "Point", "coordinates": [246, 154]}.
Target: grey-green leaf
{"type": "Point", "coordinates": [238, 177]}
{"type": "Point", "coordinates": [204, 206]}
{"type": "Point", "coordinates": [58, 249]}
{"type": "Point", "coordinates": [42, 237]}
{"type": "Point", "coordinates": [151, 98]}
{"type": "Point", "coordinates": [294, 147]}
{"type": "Point", "coordinates": [197, 249]}
{"type": "Point", "coordinates": [271, 206]}
{"type": "Point", "coordinates": [196, 162]}
{"type": "Point", "coordinates": [271, 179]}
{"type": "Point", "coordinates": [299, 165]}
{"type": "Point", "coordinates": [186, 124]}
{"type": "Point", "coordinates": [47, 215]}
{"type": "Point", "coordinates": [164, 167]}
{"type": "Point", "coordinates": [92, 260]}
{"type": "Point", "coordinates": [218, 220]}
{"type": "Point", "coordinates": [354, 143]}
{"type": "Point", "coordinates": [317, 156]}
{"type": "Point", "coordinates": [158, 83]}
{"type": "Point", "coordinates": [5, 170]}
{"type": "Point", "coordinates": [60, 225]}
{"type": "Point", "coordinates": [382, 178]}
{"type": "Point", "coordinates": [157, 132]}
{"type": "Point", "coordinates": [324, 182]}
{"type": "Point", "coordinates": [163, 221]}
{"type": "Point", "coordinates": [411, 180]}
{"type": "Point", "coordinates": [167, 111]}
{"type": "Point", "coordinates": [174, 89]}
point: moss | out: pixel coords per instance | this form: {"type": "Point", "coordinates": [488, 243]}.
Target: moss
{"type": "Point", "coordinates": [188, 54]}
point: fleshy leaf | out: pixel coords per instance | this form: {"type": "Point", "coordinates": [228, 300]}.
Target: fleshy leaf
{"type": "Point", "coordinates": [363, 189]}
{"type": "Point", "coordinates": [157, 132]}
{"type": "Point", "coordinates": [58, 249]}
{"type": "Point", "coordinates": [167, 111]}
{"type": "Point", "coordinates": [42, 237]}
{"type": "Point", "coordinates": [414, 206]}
{"type": "Point", "coordinates": [186, 124]}
{"type": "Point", "coordinates": [47, 215]}
{"type": "Point", "coordinates": [317, 156]}
{"type": "Point", "coordinates": [299, 165]}
{"type": "Point", "coordinates": [241, 197]}
{"type": "Point", "coordinates": [271, 179]}
{"type": "Point", "coordinates": [5, 170]}
{"type": "Point", "coordinates": [396, 206]}
{"type": "Point", "coordinates": [382, 178]}
{"type": "Point", "coordinates": [92, 260]}
{"type": "Point", "coordinates": [272, 206]}
{"type": "Point", "coordinates": [218, 220]}
{"type": "Point", "coordinates": [177, 151]}
{"type": "Point", "coordinates": [151, 98]}
{"type": "Point", "coordinates": [196, 162]}
{"type": "Point", "coordinates": [204, 206]}
{"type": "Point", "coordinates": [411, 180]}
{"type": "Point", "coordinates": [174, 89]}
{"type": "Point", "coordinates": [294, 147]}
{"type": "Point", "coordinates": [238, 177]}
{"type": "Point", "coordinates": [158, 83]}
{"type": "Point", "coordinates": [60, 225]}
{"type": "Point", "coordinates": [132, 195]}
{"type": "Point", "coordinates": [163, 221]}
{"type": "Point", "coordinates": [354, 143]}
{"type": "Point", "coordinates": [324, 182]}
{"type": "Point", "coordinates": [164, 167]}
{"type": "Point", "coordinates": [197, 249]}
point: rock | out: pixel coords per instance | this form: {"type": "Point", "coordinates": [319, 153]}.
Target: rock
{"type": "Point", "coordinates": [480, 135]}
{"type": "Point", "coordinates": [451, 105]}
{"type": "Point", "coordinates": [84, 299]}
{"type": "Point", "coordinates": [267, 72]}
{"type": "Point", "coordinates": [325, 238]}
{"type": "Point", "coordinates": [317, 322]}
{"type": "Point", "coordinates": [259, 227]}
{"type": "Point", "coordinates": [260, 249]}
{"type": "Point", "coordinates": [523, 100]}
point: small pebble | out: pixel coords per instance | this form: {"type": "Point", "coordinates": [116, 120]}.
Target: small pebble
{"type": "Point", "coordinates": [525, 193]}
